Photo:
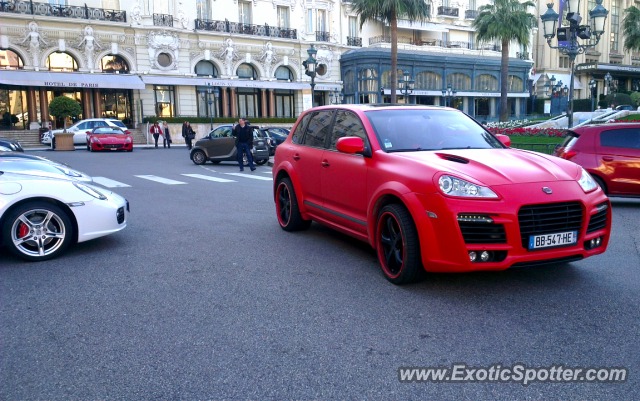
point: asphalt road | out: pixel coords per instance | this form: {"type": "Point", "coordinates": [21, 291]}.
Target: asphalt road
{"type": "Point", "coordinates": [203, 296]}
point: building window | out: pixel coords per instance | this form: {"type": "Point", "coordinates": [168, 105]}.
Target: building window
{"type": "Point", "coordinates": [349, 82]}
{"type": "Point", "coordinates": [310, 20]}
{"type": "Point", "coordinates": [116, 103]}
{"type": "Point", "coordinates": [487, 83]}
{"type": "Point", "coordinates": [114, 65]}
{"type": "Point", "coordinates": [353, 27]}
{"type": "Point", "coordinates": [206, 69]}
{"type": "Point", "coordinates": [244, 11]}
{"type": "Point", "coordinates": [564, 62]}
{"type": "Point", "coordinates": [428, 80]}
{"type": "Point", "coordinates": [14, 113]}
{"type": "Point", "coordinates": [284, 103]}
{"type": "Point", "coordinates": [482, 107]}
{"type": "Point", "coordinates": [164, 60]}
{"type": "Point", "coordinates": [204, 108]}
{"type": "Point", "coordinates": [202, 8]}
{"type": "Point", "coordinates": [284, 74]}
{"type": "Point", "coordinates": [368, 86]}
{"type": "Point", "coordinates": [246, 71]}
{"type": "Point", "coordinates": [590, 5]}
{"type": "Point", "coordinates": [615, 24]}
{"type": "Point", "coordinates": [9, 60]}
{"type": "Point", "coordinates": [283, 17]}
{"type": "Point", "coordinates": [515, 84]}
{"type": "Point", "coordinates": [165, 100]}
{"type": "Point", "coordinates": [61, 62]}
{"type": "Point", "coordinates": [385, 78]}
{"type": "Point", "coordinates": [459, 82]}
{"type": "Point", "coordinates": [162, 7]}
{"type": "Point", "coordinates": [248, 102]}
{"type": "Point", "coordinates": [322, 18]}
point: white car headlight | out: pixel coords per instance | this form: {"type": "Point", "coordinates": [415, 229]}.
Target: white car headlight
{"type": "Point", "coordinates": [94, 139]}
{"type": "Point", "coordinates": [456, 187]}
{"type": "Point", "coordinates": [91, 191]}
{"type": "Point", "coordinates": [586, 181]}
{"type": "Point", "coordinates": [128, 140]}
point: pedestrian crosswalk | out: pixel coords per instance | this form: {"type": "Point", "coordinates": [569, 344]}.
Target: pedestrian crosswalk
{"type": "Point", "coordinates": [212, 176]}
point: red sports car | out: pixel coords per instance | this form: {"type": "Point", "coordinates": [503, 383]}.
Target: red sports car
{"type": "Point", "coordinates": [430, 189]}
{"type": "Point", "coordinates": [610, 153]}
{"type": "Point", "coordinates": [109, 138]}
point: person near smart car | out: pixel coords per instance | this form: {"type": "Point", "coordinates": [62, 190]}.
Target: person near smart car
{"type": "Point", "coordinates": [156, 131]}
{"type": "Point", "coordinates": [244, 142]}
{"type": "Point", "coordinates": [188, 134]}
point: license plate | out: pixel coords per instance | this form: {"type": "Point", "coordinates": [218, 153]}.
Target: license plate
{"type": "Point", "coordinates": [553, 240]}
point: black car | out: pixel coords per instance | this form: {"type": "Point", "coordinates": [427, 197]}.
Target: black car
{"type": "Point", "coordinates": [9, 145]}
{"type": "Point", "coordinates": [277, 133]}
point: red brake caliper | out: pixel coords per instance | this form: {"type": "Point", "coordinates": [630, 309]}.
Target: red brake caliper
{"type": "Point", "coordinates": [23, 230]}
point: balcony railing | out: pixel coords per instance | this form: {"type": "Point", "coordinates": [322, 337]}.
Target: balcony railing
{"type": "Point", "coordinates": [163, 20]}
{"type": "Point", "coordinates": [63, 11]}
{"type": "Point", "coordinates": [523, 55]}
{"type": "Point", "coordinates": [471, 14]}
{"type": "Point", "coordinates": [245, 29]}
{"type": "Point", "coordinates": [435, 42]}
{"type": "Point", "coordinates": [448, 11]}
{"type": "Point", "coordinates": [322, 36]}
{"type": "Point", "coordinates": [354, 41]}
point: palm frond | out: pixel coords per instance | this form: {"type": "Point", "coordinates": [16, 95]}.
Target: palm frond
{"type": "Point", "coordinates": [505, 20]}
{"type": "Point", "coordinates": [631, 29]}
{"type": "Point", "coordinates": [384, 10]}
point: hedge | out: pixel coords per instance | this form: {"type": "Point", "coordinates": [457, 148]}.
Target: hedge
{"type": "Point", "coordinates": [582, 105]}
{"type": "Point", "coordinates": [223, 120]}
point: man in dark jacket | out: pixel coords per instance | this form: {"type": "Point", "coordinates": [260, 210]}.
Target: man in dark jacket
{"type": "Point", "coordinates": [244, 142]}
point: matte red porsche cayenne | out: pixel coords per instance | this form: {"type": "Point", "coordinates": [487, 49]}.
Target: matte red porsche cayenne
{"type": "Point", "coordinates": [430, 189]}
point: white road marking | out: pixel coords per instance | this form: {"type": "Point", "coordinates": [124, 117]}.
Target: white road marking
{"type": "Point", "coordinates": [208, 177]}
{"type": "Point", "coordinates": [208, 169]}
{"type": "Point", "coordinates": [160, 179]}
{"type": "Point", "coordinates": [106, 182]}
{"type": "Point", "coordinates": [255, 177]}
{"type": "Point", "coordinates": [267, 172]}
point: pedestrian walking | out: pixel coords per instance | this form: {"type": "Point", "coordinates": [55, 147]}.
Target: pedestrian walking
{"type": "Point", "coordinates": [166, 135]}
{"type": "Point", "coordinates": [156, 131]}
{"type": "Point", "coordinates": [244, 142]}
{"type": "Point", "coordinates": [188, 134]}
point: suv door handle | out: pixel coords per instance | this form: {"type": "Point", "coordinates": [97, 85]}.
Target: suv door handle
{"type": "Point", "coordinates": [325, 163]}
{"type": "Point", "coordinates": [607, 158]}
{"type": "Point", "coordinates": [296, 157]}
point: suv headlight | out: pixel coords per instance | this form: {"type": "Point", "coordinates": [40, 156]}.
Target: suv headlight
{"type": "Point", "coordinates": [587, 183]}
{"type": "Point", "coordinates": [91, 191]}
{"type": "Point", "coordinates": [453, 186]}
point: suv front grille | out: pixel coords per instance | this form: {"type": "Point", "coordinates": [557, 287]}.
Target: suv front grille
{"type": "Point", "coordinates": [482, 232]}
{"type": "Point", "coordinates": [120, 215]}
{"type": "Point", "coordinates": [599, 220]}
{"type": "Point", "coordinates": [549, 218]}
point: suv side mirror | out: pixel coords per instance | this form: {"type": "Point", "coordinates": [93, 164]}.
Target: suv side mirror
{"type": "Point", "coordinates": [504, 139]}
{"type": "Point", "coordinates": [350, 145]}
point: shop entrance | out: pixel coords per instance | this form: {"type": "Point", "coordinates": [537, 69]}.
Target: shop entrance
{"type": "Point", "coordinates": [427, 100]}
{"type": "Point", "coordinates": [482, 108]}
{"type": "Point", "coordinates": [75, 95]}
{"type": "Point", "coordinates": [13, 108]}
{"type": "Point", "coordinates": [116, 104]}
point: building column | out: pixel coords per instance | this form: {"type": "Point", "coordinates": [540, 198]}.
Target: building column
{"type": "Point", "coordinates": [97, 104]}
{"type": "Point", "coordinates": [272, 103]}
{"type": "Point", "coordinates": [86, 103]}
{"type": "Point", "coordinates": [492, 107]}
{"type": "Point", "coordinates": [263, 93]}
{"type": "Point", "coordinates": [44, 105]}
{"type": "Point", "coordinates": [234, 105]}
{"type": "Point", "coordinates": [32, 108]}
{"type": "Point", "coordinates": [225, 103]}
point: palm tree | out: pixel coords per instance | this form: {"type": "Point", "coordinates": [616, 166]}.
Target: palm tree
{"type": "Point", "coordinates": [631, 29]}
{"type": "Point", "coordinates": [504, 21]}
{"type": "Point", "coordinates": [388, 12]}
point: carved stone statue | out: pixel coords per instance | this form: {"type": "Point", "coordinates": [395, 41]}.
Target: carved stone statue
{"type": "Point", "coordinates": [228, 54]}
{"type": "Point", "coordinates": [182, 17]}
{"type": "Point", "coordinates": [268, 58]}
{"type": "Point", "coordinates": [35, 39]}
{"type": "Point", "coordinates": [89, 42]}
{"type": "Point", "coordinates": [136, 14]}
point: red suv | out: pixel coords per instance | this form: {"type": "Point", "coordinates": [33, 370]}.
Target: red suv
{"type": "Point", "coordinates": [610, 153]}
{"type": "Point", "coordinates": [431, 189]}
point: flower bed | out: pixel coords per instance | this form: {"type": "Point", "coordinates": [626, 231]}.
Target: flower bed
{"type": "Point", "coordinates": [509, 124]}
{"type": "Point", "coordinates": [541, 132]}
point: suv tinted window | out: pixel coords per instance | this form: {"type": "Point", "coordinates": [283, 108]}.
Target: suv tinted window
{"type": "Point", "coordinates": [347, 124]}
{"type": "Point", "coordinates": [318, 129]}
{"type": "Point", "coordinates": [298, 134]}
{"type": "Point", "coordinates": [621, 138]}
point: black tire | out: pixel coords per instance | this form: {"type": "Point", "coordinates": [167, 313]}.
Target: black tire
{"type": "Point", "coordinates": [287, 209]}
{"type": "Point", "coordinates": [601, 183]}
{"type": "Point", "coordinates": [38, 243]}
{"type": "Point", "coordinates": [397, 245]}
{"type": "Point", "coordinates": [198, 157]}
{"type": "Point", "coordinates": [261, 162]}
{"type": "Point", "coordinates": [215, 161]}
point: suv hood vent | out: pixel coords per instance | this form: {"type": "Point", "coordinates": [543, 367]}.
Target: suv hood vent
{"type": "Point", "coordinates": [452, 158]}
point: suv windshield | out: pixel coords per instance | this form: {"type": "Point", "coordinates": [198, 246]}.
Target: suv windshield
{"type": "Point", "coordinates": [415, 130]}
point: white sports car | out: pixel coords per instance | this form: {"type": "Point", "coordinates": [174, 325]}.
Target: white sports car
{"type": "Point", "coordinates": [41, 216]}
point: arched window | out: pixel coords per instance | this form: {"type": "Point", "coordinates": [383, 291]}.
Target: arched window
{"type": "Point", "coordinates": [58, 61]}
{"type": "Point", "coordinates": [349, 82]}
{"type": "Point", "coordinates": [515, 84]}
{"type": "Point", "coordinates": [428, 81]}
{"type": "Point", "coordinates": [206, 69]}
{"type": "Point", "coordinates": [487, 83]}
{"type": "Point", "coordinates": [459, 82]}
{"type": "Point", "coordinates": [284, 74]}
{"type": "Point", "coordinates": [385, 79]}
{"type": "Point", "coordinates": [114, 64]}
{"type": "Point", "coordinates": [246, 71]}
{"type": "Point", "coordinates": [368, 86]}
{"type": "Point", "coordinates": [9, 60]}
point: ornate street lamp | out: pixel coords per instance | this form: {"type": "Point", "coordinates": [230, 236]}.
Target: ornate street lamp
{"type": "Point", "coordinates": [449, 94]}
{"type": "Point", "coordinates": [592, 86]}
{"type": "Point", "coordinates": [205, 94]}
{"type": "Point", "coordinates": [310, 66]}
{"type": "Point", "coordinates": [571, 34]}
{"type": "Point", "coordinates": [405, 84]}
{"type": "Point", "coordinates": [336, 97]}
{"type": "Point", "coordinates": [608, 79]}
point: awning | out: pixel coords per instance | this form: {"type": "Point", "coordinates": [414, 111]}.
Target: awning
{"type": "Point", "coordinates": [232, 83]}
{"type": "Point", "coordinates": [70, 80]}
{"type": "Point", "coordinates": [565, 78]}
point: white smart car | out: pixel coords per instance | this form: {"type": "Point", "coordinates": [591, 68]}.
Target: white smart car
{"type": "Point", "coordinates": [80, 128]}
{"type": "Point", "coordinates": [41, 216]}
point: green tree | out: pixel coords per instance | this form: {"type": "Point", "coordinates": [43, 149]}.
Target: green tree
{"type": "Point", "coordinates": [387, 12]}
{"type": "Point", "coordinates": [631, 29]}
{"type": "Point", "coordinates": [635, 97]}
{"type": "Point", "coordinates": [504, 21]}
{"type": "Point", "coordinates": [62, 107]}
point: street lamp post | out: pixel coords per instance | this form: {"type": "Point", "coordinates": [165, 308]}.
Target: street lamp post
{"type": "Point", "coordinates": [336, 97]}
{"type": "Point", "coordinates": [448, 94]}
{"type": "Point", "coordinates": [611, 87]}
{"type": "Point", "coordinates": [592, 86]}
{"type": "Point", "coordinates": [310, 67]}
{"type": "Point", "coordinates": [572, 33]}
{"type": "Point", "coordinates": [405, 84]}
{"type": "Point", "coordinates": [209, 91]}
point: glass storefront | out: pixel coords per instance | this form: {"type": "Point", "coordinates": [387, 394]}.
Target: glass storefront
{"type": "Point", "coordinates": [482, 107]}
{"type": "Point", "coordinates": [165, 100]}
{"type": "Point", "coordinates": [284, 103]}
{"type": "Point", "coordinates": [248, 102]}
{"type": "Point", "coordinates": [13, 108]}
{"type": "Point", "coordinates": [116, 103]}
